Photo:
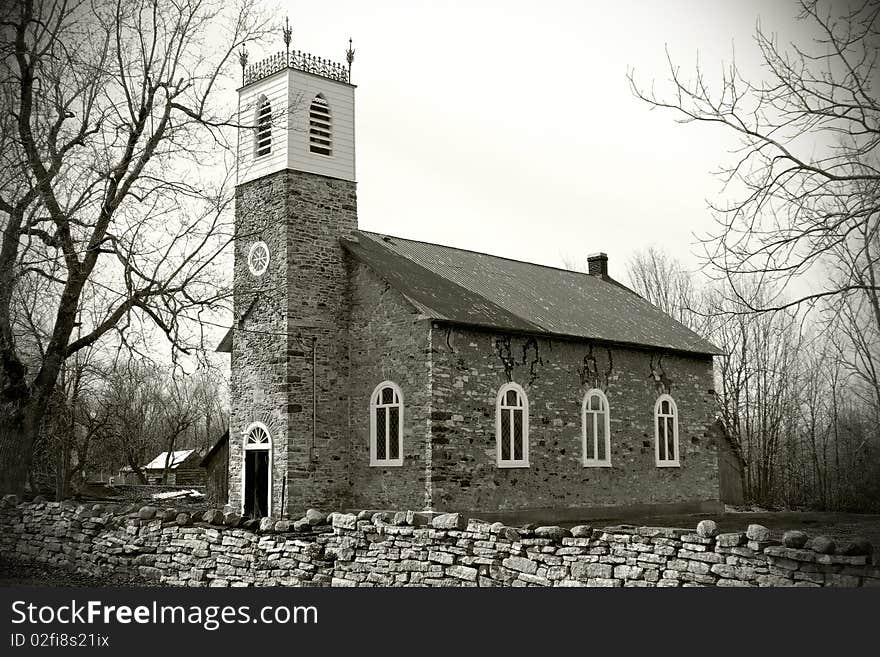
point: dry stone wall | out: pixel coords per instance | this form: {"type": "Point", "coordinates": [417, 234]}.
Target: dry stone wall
{"type": "Point", "coordinates": [414, 549]}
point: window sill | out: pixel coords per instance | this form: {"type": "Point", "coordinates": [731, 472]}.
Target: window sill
{"type": "Point", "coordinates": [669, 464]}
{"type": "Point", "coordinates": [517, 464]}
{"type": "Point", "coordinates": [386, 464]}
{"type": "Point", "coordinates": [597, 465]}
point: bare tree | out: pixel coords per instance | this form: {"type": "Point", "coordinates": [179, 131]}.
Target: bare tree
{"type": "Point", "coordinates": [806, 173]}
{"type": "Point", "coordinates": [666, 283]}
{"type": "Point", "coordinates": [109, 142]}
{"type": "Point", "coordinates": [853, 318]}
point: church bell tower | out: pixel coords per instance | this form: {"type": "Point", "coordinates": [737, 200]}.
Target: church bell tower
{"type": "Point", "coordinates": [295, 198]}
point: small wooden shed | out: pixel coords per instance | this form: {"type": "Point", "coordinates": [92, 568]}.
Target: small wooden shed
{"type": "Point", "coordinates": [216, 466]}
{"type": "Point", "coordinates": [730, 465]}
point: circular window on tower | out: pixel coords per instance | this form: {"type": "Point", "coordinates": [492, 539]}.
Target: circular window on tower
{"type": "Point", "coordinates": [258, 258]}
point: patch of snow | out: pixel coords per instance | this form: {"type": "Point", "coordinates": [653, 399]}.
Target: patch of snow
{"type": "Point", "coordinates": [177, 494]}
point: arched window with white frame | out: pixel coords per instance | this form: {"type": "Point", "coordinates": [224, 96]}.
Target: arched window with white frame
{"type": "Point", "coordinates": [263, 138]}
{"type": "Point", "coordinates": [386, 425]}
{"type": "Point", "coordinates": [512, 427]}
{"type": "Point", "coordinates": [666, 432]}
{"type": "Point", "coordinates": [596, 422]}
{"type": "Point", "coordinates": [256, 473]}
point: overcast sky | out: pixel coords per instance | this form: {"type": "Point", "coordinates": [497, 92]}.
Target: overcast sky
{"type": "Point", "coordinates": [510, 128]}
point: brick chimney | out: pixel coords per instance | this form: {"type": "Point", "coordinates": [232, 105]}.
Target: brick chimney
{"type": "Point", "coordinates": [597, 264]}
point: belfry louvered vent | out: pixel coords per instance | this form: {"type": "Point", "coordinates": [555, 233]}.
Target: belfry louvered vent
{"type": "Point", "coordinates": [263, 144]}
{"type": "Point", "coordinates": [319, 126]}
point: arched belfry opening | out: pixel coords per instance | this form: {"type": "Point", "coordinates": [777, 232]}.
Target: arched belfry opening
{"type": "Point", "coordinates": [263, 141]}
{"type": "Point", "coordinates": [320, 127]}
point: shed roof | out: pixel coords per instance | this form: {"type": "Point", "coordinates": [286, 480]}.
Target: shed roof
{"type": "Point", "coordinates": [177, 458]}
{"type": "Point", "coordinates": [223, 440]}
{"type": "Point", "coordinates": [467, 287]}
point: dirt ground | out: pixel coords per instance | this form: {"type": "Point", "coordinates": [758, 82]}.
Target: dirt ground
{"type": "Point", "coordinates": [842, 527]}
{"type": "Point", "coordinates": [14, 573]}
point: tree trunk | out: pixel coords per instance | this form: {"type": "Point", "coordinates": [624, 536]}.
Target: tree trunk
{"type": "Point", "coordinates": [17, 437]}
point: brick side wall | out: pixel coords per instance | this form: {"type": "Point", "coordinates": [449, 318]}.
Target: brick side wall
{"type": "Point", "coordinates": [389, 342]}
{"type": "Point", "coordinates": [469, 366]}
{"type": "Point", "coordinates": [401, 550]}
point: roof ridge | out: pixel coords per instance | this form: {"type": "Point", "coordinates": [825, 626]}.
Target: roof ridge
{"type": "Point", "coordinates": [491, 255]}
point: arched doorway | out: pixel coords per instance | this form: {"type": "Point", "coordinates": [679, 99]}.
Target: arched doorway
{"type": "Point", "coordinates": [256, 472]}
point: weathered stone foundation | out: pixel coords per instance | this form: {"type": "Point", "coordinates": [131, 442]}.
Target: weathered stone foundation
{"type": "Point", "coordinates": [415, 549]}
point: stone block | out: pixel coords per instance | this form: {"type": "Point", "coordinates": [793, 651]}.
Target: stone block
{"type": "Point", "coordinates": [628, 572]}
{"type": "Point", "coordinates": [605, 582]}
{"type": "Point", "coordinates": [781, 552]}
{"type": "Point", "coordinates": [462, 572]}
{"type": "Point", "coordinates": [773, 581]}
{"type": "Point", "coordinates": [698, 568]}
{"type": "Point", "coordinates": [146, 512]}
{"type": "Point", "coordinates": [591, 570]}
{"type": "Point", "coordinates": [794, 539]}
{"type": "Point", "coordinates": [724, 582]}
{"type": "Point", "coordinates": [697, 543]}
{"type": "Point", "coordinates": [823, 545]}
{"type": "Point", "coordinates": [707, 528]}
{"type": "Point", "coordinates": [552, 532]}
{"type": "Point", "coordinates": [345, 521]}
{"type": "Point", "coordinates": [213, 517]}
{"type": "Point", "coordinates": [758, 533]}
{"type": "Point", "coordinates": [449, 521]}
{"type": "Point", "coordinates": [582, 531]}
{"type": "Point", "coordinates": [521, 564]}
{"type": "Point", "coordinates": [419, 518]}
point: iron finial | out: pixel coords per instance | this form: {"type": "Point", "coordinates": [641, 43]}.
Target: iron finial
{"type": "Point", "coordinates": [349, 56]}
{"type": "Point", "coordinates": [242, 59]}
{"type": "Point", "coordinates": [288, 33]}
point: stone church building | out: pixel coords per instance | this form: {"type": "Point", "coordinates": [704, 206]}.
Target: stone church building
{"type": "Point", "coordinates": [374, 371]}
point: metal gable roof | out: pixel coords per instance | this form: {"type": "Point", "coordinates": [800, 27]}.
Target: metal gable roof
{"type": "Point", "coordinates": [473, 288]}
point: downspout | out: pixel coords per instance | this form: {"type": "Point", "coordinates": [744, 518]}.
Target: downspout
{"type": "Point", "coordinates": [314, 397]}
{"type": "Point", "coordinates": [429, 446]}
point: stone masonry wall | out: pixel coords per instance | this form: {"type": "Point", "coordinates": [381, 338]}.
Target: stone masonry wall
{"type": "Point", "coordinates": [320, 210]}
{"type": "Point", "coordinates": [290, 326]}
{"type": "Point", "coordinates": [389, 342]}
{"type": "Point", "coordinates": [415, 549]}
{"type": "Point", "coordinates": [469, 366]}
{"type": "Point", "coordinates": [258, 381]}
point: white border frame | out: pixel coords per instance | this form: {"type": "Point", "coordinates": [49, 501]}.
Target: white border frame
{"type": "Point", "coordinates": [374, 462]}
{"type": "Point", "coordinates": [257, 448]}
{"type": "Point", "coordinates": [512, 463]}
{"type": "Point", "coordinates": [595, 462]}
{"type": "Point", "coordinates": [250, 264]}
{"type": "Point", "coordinates": [666, 463]}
